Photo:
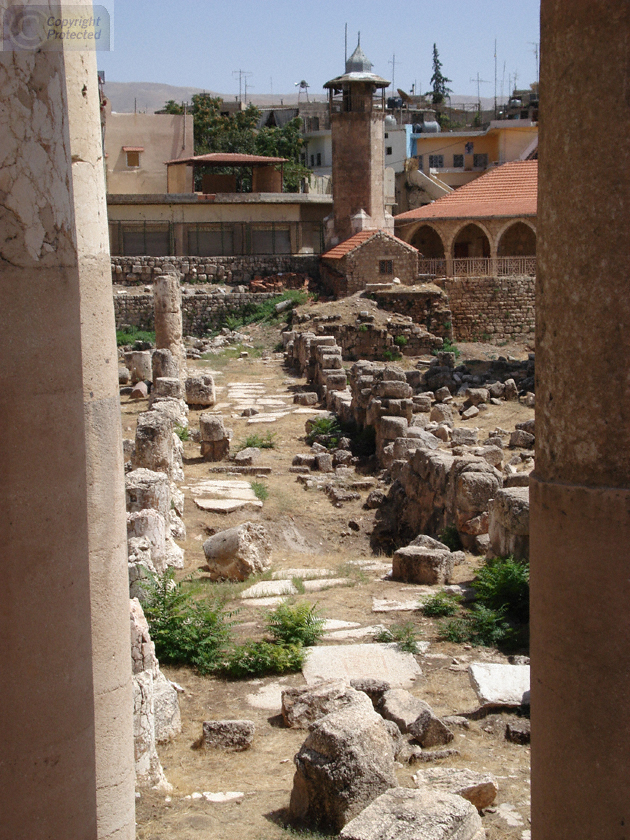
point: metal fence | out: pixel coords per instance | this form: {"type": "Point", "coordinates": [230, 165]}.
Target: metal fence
{"type": "Point", "coordinates": [479, 267]}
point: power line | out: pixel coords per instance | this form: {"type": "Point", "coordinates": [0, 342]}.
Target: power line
{"type": "Point", "coordinates": [242, 74]}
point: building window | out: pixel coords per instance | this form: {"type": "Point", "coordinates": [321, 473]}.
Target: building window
{"type": "Point", "coordinates": [388, 150]}
{"type": "Point", "coordinates": [458, 161]}
{"type": "Point", "coordinates": [386, 266]}
{"type": "Point", "coordinates": [419, 159]}
{"type": "Point", "coordinates": [436, 161]}
{"type": "Point", "coordinates": [386, 136]}
{"type": "Point", "coordinates": [132, 154]}
{"type": "Point", "coordinates": [312, 160]}
{"type": "Point", "coordinates": [480, 161]}
{"type": "Point", "coordinates": [319, 158]}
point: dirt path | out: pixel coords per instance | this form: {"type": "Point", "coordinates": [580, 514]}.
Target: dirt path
{"type": "Point", "coordinates": [307, 531]}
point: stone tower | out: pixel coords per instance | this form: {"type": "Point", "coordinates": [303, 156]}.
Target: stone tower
{"type": "Point", "coordinates": [357, 111]}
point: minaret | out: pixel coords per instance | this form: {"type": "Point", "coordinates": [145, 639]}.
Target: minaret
{"type": "Point", "coordinates": [357, 112]}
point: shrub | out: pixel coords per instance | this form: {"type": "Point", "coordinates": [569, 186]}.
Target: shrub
{"type": "Point", "coordinates": [363, 328]}
{"type": "Point", "coordinates": [448, 347]}
{"type": "Point", "coordinates": [184, 630]}
{"type": "Point", "coordinates": [258, 441]}
{"type": "Point", "coordinates": [257, 659]}
{"type": "Point", "coordinates": [479, 626]}
{"type": "Point", "coordinates": [441, 604]}
{"type": "Point", "coordinates": [297, 624]}
{"type": "Point", "coordinates": [450, 537]}
{"type": "Point", "coordinates": [401, 340]}
{"type": "Point", "coordinates": [405, 635]}
{"type": "Point", "coordinates": [325, 430]}
{"type": "Point", "coordinates": [182, 432]}
{"type": "Point", "coordinates": [391, 355]}
{"type": "Point", "coordinates": [133, 334]}
{"type": "Point", "coordinates": [260, 490]}
{"type": "Point", "coordinates": [503, 584]}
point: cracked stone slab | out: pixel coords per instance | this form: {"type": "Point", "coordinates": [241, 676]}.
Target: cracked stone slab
{"type": "Point", "coordinates": [268, 696]}
{"type": "Point", "coordinates": [264, 602]}
{"type": "Point", "coordinates": [302, 574]}
{"type": "Point", "coordinates": [500, 685]}
{"type": "Point", "coordinates": [349, 662]}
{"type": "Point", "coordinates": [266, 588]}
{"type": "Point", "coordinates": [227, 505]}
{"type": "Point", "coordinates": [383, 605]}
{"type": "Point", "coordinates": [356, 633]}
{"type": "Point", "coordinates": [219, 489]}
{"type": "Point", "coordinates": [263, 418]}
{"type": "Point", "coordinates": [312, 411]}
{"type": "Point", "coordinates": [327, 583]}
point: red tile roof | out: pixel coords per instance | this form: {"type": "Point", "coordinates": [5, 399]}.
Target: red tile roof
{"type": "Point", "coordinates": [229, 159]}
{"type": "Point", "coordinates": [359, 238]}
{"type": "Point", "coordinates": [508, 190]}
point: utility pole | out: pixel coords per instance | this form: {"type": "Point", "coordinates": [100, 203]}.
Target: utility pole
{"type": "Point", "coordinates": [246, 86]}
{"type": "Point", "coordinates": [495, 78]}
{"type": "Point", "coordinates": [393, 63]}
{"type": "Point", "coordinates": [535, 45]}
{"type": "Point", "coordinates": [346, 47]}
{"type": "Point", "coordinates": [242, 74]}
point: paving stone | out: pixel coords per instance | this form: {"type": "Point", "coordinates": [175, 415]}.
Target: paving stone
{"type": "Point", "coordinates": [264, 602]}
{"type": "Point", "coordinates": [327, 583]}
{"type": "Point", "coordinates": [356, 633]}
{"type": "Point", "coordinates": [302, 574]}
{"type": "Point", "coordinates": [331, 624]}
{"type": "Point", "coordinates": [381, 605]}
{"type": "Point", "coordinates": [376, 661]}
{"type": "Point", "coordinates": [262, 418]}
{"type": "Point", "coordinates": [227, 505]}
{"type": "Point", "coordinates": [500, 685]}
{"type": "Point", "coordinates": [269, 587]}
{"type": "Point", "coordinates": [479, 788]}
{"type": "Point", "coordinates": [268, 696]}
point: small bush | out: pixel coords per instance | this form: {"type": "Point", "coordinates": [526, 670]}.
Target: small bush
{"type": "Point", "coordinates": [503, 584]}
{"type": "Point", "coordinates": [391, 355]}
{"type": "Point", "coordinates": [450, 537]}
{"type": "Point", "coordinates": [441, 604]}
{"type": "Point", "coordinates": [479, 626]}
{"type": "Point", "coordinates": [260, 490]}
{"type": "Point", "coordinates": [363, 328]}
{"type": "Point", "coordinates": [297, 624]}
{"type": "Point", "coordinates": [405, 635]}
{"type": "Point", "coordinates": [182, 432]}
{"type": "Point", "coordinates": [325, 430]}
{"type": "Point", "coordinates": [257, 659]}
{"type": "Point", "coordinates": [258, 441]}
{"type": "Point", "coordinates": [132, 335]}
{"type": "Point", "coordinates": [449, 347]}
{"type": "Point", "coordinates": [184, 630]}
{"type": "Point", "coordinates": [233, 322]}
{"type": "Point", "coordinates": [401, 340]}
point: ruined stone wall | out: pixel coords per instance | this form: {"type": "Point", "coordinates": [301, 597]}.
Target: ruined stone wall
{"type": "Point", "coordinates": [491, 308]}
{"type": "Point", "coordinates": [201, 312]}
{"type": "Point", "coordinates": [426, 305]}
{"type": "Point", "coordinates": [231, 270]}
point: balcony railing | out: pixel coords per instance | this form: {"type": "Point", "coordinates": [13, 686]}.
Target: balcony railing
{"type": "Point", "coordinates": [479, 267]}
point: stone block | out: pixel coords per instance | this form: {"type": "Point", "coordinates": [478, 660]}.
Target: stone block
{"type": "Point", "coordinates": [234, 735]}
{"type": "Point", "coordinates": [500, 685]}
{"type": "Point", "coordinates": [305, 705]}
{"type": "Point", "coordinates": [215, 450]}
{"type": "Point", "coordinates": [479, 788]}
{"type": "Point", "coordinates": [200, 390]}
{"type": "Point", "coordinates": [393, 427]}
{"type": "Point", "coordinates": [426, 566]}
{"type": "Point", "coordinates": [211, 427]}
{"type": "Point", "coordinates": [238, 552]}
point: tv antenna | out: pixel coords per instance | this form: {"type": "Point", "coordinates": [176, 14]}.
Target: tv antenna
{"type": "Point", "coordinates": [479, 83]}
{"type": "Point", "coordinates": [393, 63]}
{"type": "Point", "coordinates": [536, 45]}
{"type": "Point", "coordinates": [242, 74]}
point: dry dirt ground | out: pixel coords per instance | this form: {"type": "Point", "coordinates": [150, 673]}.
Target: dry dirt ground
{"type": "Point", "coordinates": [308, 531]}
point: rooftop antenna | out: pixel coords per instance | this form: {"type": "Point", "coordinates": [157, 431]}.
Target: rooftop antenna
{"type": "Point", "coordinates": [535, 45]}
{"type": "Point", "coordinates": [246, 86]}
{"type": "Point", "coordinates": [241, 75]}
{"type": "Point", "coordinates": [346, 45]}
{"type": "Point", "coordinates": [495, 78]}
{"type": "Point", "coordinates": [479, 83]}
{"type": "Point", "coordinates": [393, 63]}
{"type": "Point", "coordinates": [503, 84]}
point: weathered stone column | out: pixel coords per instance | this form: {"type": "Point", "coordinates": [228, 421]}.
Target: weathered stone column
{"type": "Point", "coordinates": [167, 300]}
{"type": "Point", "coordinates": [580, 494]}
{"type": "Point", "coordinates": [66, 762]}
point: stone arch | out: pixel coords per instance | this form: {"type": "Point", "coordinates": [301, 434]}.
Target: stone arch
{"type": "Point", "coordinates": [518, 239]}
{"type": "Point", "coordinates": [472, 240]}
{"type": "Point", "coordinates": [429, 242]}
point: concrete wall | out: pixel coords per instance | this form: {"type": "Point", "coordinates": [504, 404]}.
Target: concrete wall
{"type": "Point", "coordinates": [163, 136]}
{"type": "Point", "coordinates": [492, 308]}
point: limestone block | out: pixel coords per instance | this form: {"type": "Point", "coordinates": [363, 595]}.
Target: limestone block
{"type": "Point", "coordinates": [496, 389]}
{"type": "Point", "coordinates": [167, 717]}
{"type": "Point", "coordinates": [393, 374]}
{"type": "Point", "coordinates": [477, 396]}
{"type": "Point", "coordinates": [520, 438]}
{"type": "Point", "coordinates": [248, 456]}
{"type": "Point", "coordinates": [305, 705]}
{"type": "Point", "coordinates": [464, 437]}
{"type": "Point", "coordinates": [212, 428]}
{"type": "Point", "coordinates": [124, 377]}
{"type": "Point", "coordinates": [306, 398]}
{"type": "Point", "coordinates": [147, 489]}
{"type": "Point", "coordinates": [140, 566]}
{"type": "Point", "coordinates": [426, 566]}
{"type": "Point", "coordinates": [442, 413]}
{"type": "Point", "coordinates": [422, 403]}
{"type": "Point", "coordinates": [479, 788]}
{"type": "Point", "coordinates": [235, 735]}
{"type": "Point", "coordinates": [346, 761]}
{"type": "Point", "coordinates": [139, 364]}
{"type": "Point", "coordinates": [492, 454]}
{"type": "Point", "coordinates": [154, 442]}
{"type": "Point", "coordinates": [404, 814]}
{"type": "Point", "coordinates": [500, 685]}
{"type": "Point", "coordinates": [393, 389]}
{"type": "Point", "coordinates": [470, 413]}
{"type": "Point", "coordinates": [508, 525]}
{"type": "Point", "coordinates": [151, 525]}
{"type": "Point", "coordinates": [238, 552]}
{"type": "Point", "coordinates": [393, 427]}
{"type": "Point", "coordinates": [372, 687]}
{"type": "Point", "coordinates": [167, 387]}
{"type": "Point", "coordinates": [176, 525]}
{"type": "Point", "coordinates": [510, 391]}
{"type": "Point", "coordinates": [215, 450]}
{"type": "Point", "coordinates": [139, 391]}
{"type": "Point", "coordinates": [172, 408]}
{"type": "Point", "coordinates": [164, 364]}
{"type": "Point", "coordinates": [200, 390]}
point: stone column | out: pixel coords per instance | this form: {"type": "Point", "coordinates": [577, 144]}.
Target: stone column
{"type": "Point", "coordinates": [580, 494]}
{"type": "Point", "coordinates": [66, 767]}
{"type": "Point", "coordinates": [167, 300]}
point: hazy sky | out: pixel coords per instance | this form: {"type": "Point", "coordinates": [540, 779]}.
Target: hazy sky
{"type": "Point", "coordinates": [200, 43]}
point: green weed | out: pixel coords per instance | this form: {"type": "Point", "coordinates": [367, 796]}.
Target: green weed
{"type": "Point", "coordinates": [257, 659]}
{"type": "Point", "coordinates": [257, 441]}
{"type": "Point", "coordinates": [260, 490]}
{"type": "Point", "coordinates": [479, 626]}
{"type": "Point", "coordinates": [401, 340]}
{"type": "Point", "coordinates": [450, 537]}
{"type": "Point", "coordinates": [296, 624]}
{"type": "Point", "coordinates": [324, 430]}
{"type": "Point", "coordinates": [132, 335]}
{"type": "Point", "coordinates": [405, 635]}
{"type": "Point", "coordinates": [182, 432]}
{"type": "Point", "coordinates": [503, 584]}
{"type": "Point", "coordinates": [441, 604]}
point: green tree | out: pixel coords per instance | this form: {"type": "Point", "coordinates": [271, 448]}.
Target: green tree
{"type": "Point", "coordinates": [237, 133]}
{"type": "Point", "coordinates": [439, 90]}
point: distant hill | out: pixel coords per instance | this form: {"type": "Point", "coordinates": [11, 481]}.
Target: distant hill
{"type": "Point", "coordinates": [148, 97]}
